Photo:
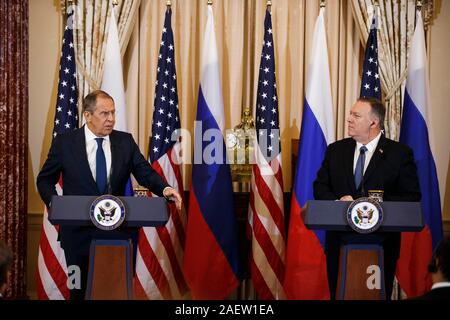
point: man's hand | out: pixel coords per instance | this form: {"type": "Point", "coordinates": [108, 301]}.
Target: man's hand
{"type": "Point", "coordinates": [346, 198]}
{"type": "Point", "coordinates": [173, 195]}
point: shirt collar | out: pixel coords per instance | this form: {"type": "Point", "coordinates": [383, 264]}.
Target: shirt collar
{"type": "Point", "coordinates": [438, 285]}
{"type": "Point", "coordinates": [371, 146]}
{"type": "Point", "coordinates": [91, 136]}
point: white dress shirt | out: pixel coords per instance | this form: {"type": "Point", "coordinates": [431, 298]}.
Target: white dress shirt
{"type": "Point", "coordinates": [438, 285]}
{"type": "Point", "coordinates": [371, 146]}
{"type": "Point", "coordinates": [91, 151]}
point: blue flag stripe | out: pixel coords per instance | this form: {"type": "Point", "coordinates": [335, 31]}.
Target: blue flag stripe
{"type": "Point", "coordinates": [414, 133]}
{"type": "Point", "coordinates": [311, 152]}
{"type": "Point", "coordinates": [209, 181]}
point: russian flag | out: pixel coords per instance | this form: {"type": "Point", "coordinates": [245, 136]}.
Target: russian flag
{"type": "Point", "coordinates": [112, 81]}
{"type": "Point", "coordinates": [306, 269]}
{"type": "Point", "coordinates": [416, 248]}
{"type": "Point", "coordinates": [211, 257]}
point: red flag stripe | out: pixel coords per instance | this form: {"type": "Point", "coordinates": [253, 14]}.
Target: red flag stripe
{"type": "Point", "coordinates": [268, 199]}
{"type": "Point", "coordinates": [54, 274]}
{"type": "Point", "coordinates": [275, 261]}
{"type": "Point", "coordinates": [259, 214]}
{"type": "Point", "coordinates": [412, 268]}
{"type": "Point", "coordinates": [179, 221]}
{"type": "Point", "coordinates": [174, 262]}
{"type": "Point", "coordinates": [165, 244]}
{"type": "Point", "coordinates": [306, 269]}
{"type": "Point", "coordinates": [258, 281]}
{"type": "Point", "coordinates": [153, 266]}
{"type": "Point", "coordinates": [42, 295]}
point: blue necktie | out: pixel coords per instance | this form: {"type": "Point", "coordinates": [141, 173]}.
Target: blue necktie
{"type": "Point", "coordinates": [100, 167]}
{"type": "Point", "coordinates": [360, 166]}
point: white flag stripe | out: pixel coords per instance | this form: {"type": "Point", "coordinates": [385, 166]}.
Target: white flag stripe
{"type": "Point", "coordinates": [146, 280]}
{"type": "Point", "coordinates": [268, 174]}
{"type": "Point", "coordinates": [418, 72]}
{"type": "Point", "coordinates": [274, 185]}
{"type": "Point", "coordinates": [260, 259]}
{"type": "Point", "coordinates": [163, 259]}
{"type": "Point", "coordinates": [267, 221]}
{"type": "Point", "coordinates": [265, 167]}
{"type": "Point", "coordinates": [112, 81]}
{"type": "Point", "coordinates": [318, 87]}
{"type": "Point", "coordinates": [250, 219]}
{"type": "Point", "coordinates": [175, 241]}
{"type": "Point", "coordinates": [169, 174]}
{"type": "Point", "coordinates": [52, 237]}
{"type": "Point", "coordinates": [50, 287]}
{"type": "Point", "coordinates": [151, 232]}
{"type": "Point", "coordinates": [210, 76]}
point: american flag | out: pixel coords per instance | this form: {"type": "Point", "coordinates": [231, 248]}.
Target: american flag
{"type": "Point", "coordinates": [51, 275]}
{"type": "Point", "coordinates": [266, 214]}
{"type": "Point", "coordinates": [160, 250]}
{"type": "Point", "coordinates": [370, 83]}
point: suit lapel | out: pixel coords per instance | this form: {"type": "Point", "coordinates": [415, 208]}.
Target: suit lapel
{"type": "Point", "coordinates": [115, 156]}
{"type": "Point", "coordinates": [376, 158]}
{"type": "Point", "coordinates": [79, 153]}
{"type": "Point", "coordinates": [349, 155]}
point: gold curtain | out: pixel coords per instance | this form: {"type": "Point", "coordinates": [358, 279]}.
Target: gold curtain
{"type": "Point", "coordinates": [91, 25]}
{"type": "Point", "coordinates": [396, 27]}
{"type": "Point", "coordinates": [239, 29]}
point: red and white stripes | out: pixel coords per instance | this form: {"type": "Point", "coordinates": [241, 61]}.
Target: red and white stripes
{"type": "Point", "coordinates": [160, 250]}
{"type": "Point", "coordinates": [51, 275]}
{"type": "Point", "coordinates": [266, 220]}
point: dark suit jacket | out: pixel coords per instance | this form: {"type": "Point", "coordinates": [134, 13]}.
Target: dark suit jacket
{"type": "Point", "coordinates": [436, 294]}
{"type": "Point", "coordinates": [67, 156]}
{"type": "Point", "coordinates": [392, 169]}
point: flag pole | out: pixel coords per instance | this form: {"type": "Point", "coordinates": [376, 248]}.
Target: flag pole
{"type": "Point", "coordinates": [210, 2]}
{"type": "Point", "coordinates": [168, 4]}
{"type": "Point", "coordinates": [323, 3]}
{"type": "Point", "coordinates": [115, 2]}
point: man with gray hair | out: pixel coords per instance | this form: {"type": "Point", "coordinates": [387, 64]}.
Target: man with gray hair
{"type": "Point", "coordinates": [96, 160]}
{"type": "Point", "coordinates": [366, 161]}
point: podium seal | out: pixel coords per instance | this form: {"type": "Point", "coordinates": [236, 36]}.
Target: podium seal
{"type": "Point", "coordinates": [365, 215]}
{"type": "Point", "coordinates": [107, 212]}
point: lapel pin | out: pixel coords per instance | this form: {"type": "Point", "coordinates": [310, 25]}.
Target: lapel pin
{"type": "Point", "coordinates": [381, 151]}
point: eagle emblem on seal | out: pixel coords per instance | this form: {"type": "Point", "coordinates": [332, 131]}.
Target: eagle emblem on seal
{"type": "Point", "coordinates": [107, 212]}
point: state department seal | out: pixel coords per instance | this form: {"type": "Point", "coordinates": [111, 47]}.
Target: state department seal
{"type": "Point", "coordinates": [365, 215]}
{"type": "Point", "coordinates": [107, 212]}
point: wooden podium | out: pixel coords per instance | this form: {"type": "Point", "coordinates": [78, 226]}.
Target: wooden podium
{"type": "Point", "coordinates": [110, 274]}
{"type": "Point", "coordinates": [358, 261]}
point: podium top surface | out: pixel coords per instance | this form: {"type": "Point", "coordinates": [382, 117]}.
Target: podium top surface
{"type": "Point", "coordinates": [331, 216]}
{"type": "Point", "coordinates": [140, 211]}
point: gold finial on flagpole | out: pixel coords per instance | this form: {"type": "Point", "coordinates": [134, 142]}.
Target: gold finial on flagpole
{"type": "Point", "coordinates": [210, 2]}
{"type": "Point", "coordinates": [376, 3]}
{"type": "Point", "coordinates": [419, 5]}
{"type": "Point", "coordinates": [269, 3]}
{"type": "Point", "coordinates": [323, 3]}
{"type": "Point", "coordinates": [115, 2]}
{"type": "Point", "coordinates": [169, 3]}
{"type": "Point", "coordinates": [64, 8]}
